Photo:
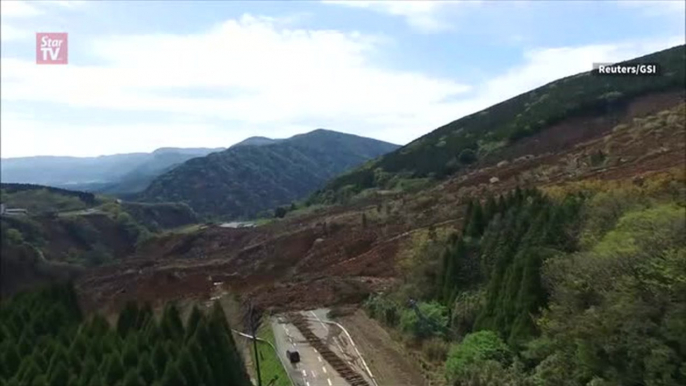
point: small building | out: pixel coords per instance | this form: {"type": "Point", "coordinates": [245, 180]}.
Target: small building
{"type": "Point", "coordinates": [15, 212]}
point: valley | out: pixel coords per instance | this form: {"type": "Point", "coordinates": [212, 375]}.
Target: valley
{"type": "Point", "coordinates": [536, 242]}
{"type": "Point", "coordinates": [338, 256]}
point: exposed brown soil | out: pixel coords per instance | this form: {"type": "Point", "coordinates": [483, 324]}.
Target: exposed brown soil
{"type": "Point", "coordinates": [328, 258]}
{"type": "Point", "coordinates": [387, 359]}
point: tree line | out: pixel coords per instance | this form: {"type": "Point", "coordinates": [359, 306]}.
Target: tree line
{"type": "Point", "coordinates": [588, 288]}
{"type": "Point", "coordinates": [46, 340]}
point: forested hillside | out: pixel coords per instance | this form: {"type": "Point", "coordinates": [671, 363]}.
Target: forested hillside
{"type": "Point", "coordinates": [245, 180]}
{"type": "Point", "coordinates": [66, 231]}
{"type": "Point", "coordinates": [46, 340]}
{"type": "Point", "coordinates": [581, 284]}
{"type": "Point", "coordinates": [40, 199]}
{"type": "Point", "coordinates": [479, 138]}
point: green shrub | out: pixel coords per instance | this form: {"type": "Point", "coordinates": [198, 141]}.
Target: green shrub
{"type": "Point", "coordinates": [478, 347]}
{"type": "Point", "coordinates": [467, 156]}
{"type": "Point", "coordinates": [383, 309]}
{"type": "Point", "coordinates": [431, 320]}
{"type": "Point", "coordinates": [14, 237]}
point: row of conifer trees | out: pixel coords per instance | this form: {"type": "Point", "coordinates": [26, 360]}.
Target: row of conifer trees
{"type": "Point", "coordinates": [45, 340]}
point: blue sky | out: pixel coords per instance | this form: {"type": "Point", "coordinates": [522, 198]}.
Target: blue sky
{"type": "Point", "coordinates": [150, 74]}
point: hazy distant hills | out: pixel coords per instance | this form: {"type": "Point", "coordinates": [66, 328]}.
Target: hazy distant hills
{"type": "Point", "coordinates": [261, 173]}
{"type": "Point", "coordinates": [119, 173]}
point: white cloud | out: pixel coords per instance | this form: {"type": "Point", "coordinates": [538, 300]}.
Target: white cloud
{"type": "Point", "coordinates": [24, 136]}
{"type": "Point", "coordinates": [255, 76]}
{"type": "Point", "coordinates": [282, 79]}
{"type": "Point", "coordinates": [18, 9]}
{"type": "Point", "coordinates": [424, 15]}
{"type": "Point", "coordinates": [674, 8]}
{"type": "Point", "coordinates": [9, 33]}
{"type": "Point", "coordinates": [15, 13]}
{"type": "Point", "coordinates": [68, 3]}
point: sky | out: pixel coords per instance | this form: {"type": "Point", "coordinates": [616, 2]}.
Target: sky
{"type": "Point", "coordinates": [148, 74]}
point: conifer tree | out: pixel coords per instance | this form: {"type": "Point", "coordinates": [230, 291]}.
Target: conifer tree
{"type": "Point", "coordinates": [192, 323]}
{"type": "Point", "coordinates": [39, 358]}
{"type": "Point", "coordinates": [159, 359]}
{"type": "Point", "coordinates": [128, 318]}
{"type": "Point", "coordinates": [97, 380]}
{"type": "Point", "coordinates": [200, 359]}
{"type": "Point", "coordinates": [114, 369]}
{"type": "Point", "coordinates": [132, 378]}
{"type": "Point", "coordinates": [477, 221]}
{"type": "Point", "coordinates": [490, 209]}
{"type": "Point", "coordinates": [41, 380]}
{"type": "Point", "coordinates": [146, 369]}
{"type": "Point", "coordinates": [145, 315]}
{"type": "Point", "coordinates": [172, 376]}
{"type": "Point", "coordinates": [79, 345]}
{"type": "Point", "coordinates": [29, 371]}
{"type": "Point", "coordinates": [59, 374]}
{"type": "Point", "coordinates": [188, 368]}
{"type": "Point", "coordinates": [130, 353]}
{"type": "Point", "coordinates": [88, 371]}
{"type": "Point", "coordinates": [171, 324]}
{"type": "Point", "coordinates": [11, 359]}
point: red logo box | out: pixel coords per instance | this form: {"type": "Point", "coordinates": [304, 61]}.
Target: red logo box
{"type": "Point", "coordinates": [51, 48]}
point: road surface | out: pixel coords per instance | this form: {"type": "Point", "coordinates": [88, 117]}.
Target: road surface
{"type": "Point", "coordinates": [313, 369]}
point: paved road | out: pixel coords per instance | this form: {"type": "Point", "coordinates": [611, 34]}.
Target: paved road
{"type": "Point", "coordinates": [313, 369]}
{"type": "Point", "coordinates": [336, 340]}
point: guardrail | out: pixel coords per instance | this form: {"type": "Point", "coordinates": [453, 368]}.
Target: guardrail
{"type": "Point", "coordinates": [341, 367]}
{"type": "Point", "coordinates": [288, 373]}
{"type": "Point", "coordinates": [369, 372]}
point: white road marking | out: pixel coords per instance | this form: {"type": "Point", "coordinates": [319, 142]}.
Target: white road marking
{"type": "Point", "coordinates": [314, 375]}
{"type": "Point", "coordinates": [304, 373]}
{"type": "Point", "coordinates": [324, 369]}
{"type": "Point", "coordinates": [307, 383]}
{"type": "Point", "coordinates": [320, 359]}
{"type": "Point", "coordinates": [320, 321]}
{"type": "Point", "coordinates": [329, 380]}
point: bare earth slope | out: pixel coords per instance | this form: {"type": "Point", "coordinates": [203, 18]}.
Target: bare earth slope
{"type": "Point", "coordinates": [333, 257]}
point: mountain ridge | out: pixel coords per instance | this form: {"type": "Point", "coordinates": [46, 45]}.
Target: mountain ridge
{"type": "Point", "coordinates": [243, 180]}
{"type": "Point", "coordinates": [462, 142]}
{"type": "Point", "coordinates": [101, 173]}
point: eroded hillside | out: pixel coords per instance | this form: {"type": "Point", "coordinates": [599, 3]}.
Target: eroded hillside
{"type": "Point", "coordinates": [340, 254]}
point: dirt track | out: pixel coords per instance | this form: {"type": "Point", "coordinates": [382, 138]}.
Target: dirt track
{"type": "Point", "coordinates": [387, 359]}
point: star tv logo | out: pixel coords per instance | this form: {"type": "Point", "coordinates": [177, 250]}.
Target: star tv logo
{"type": "Point", "coordinates": [51, 48]}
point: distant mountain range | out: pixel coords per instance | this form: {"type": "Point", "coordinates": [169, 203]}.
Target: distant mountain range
{"type": "Point", "coordinates": [115, 174]}
{"type": "Point", "coordinates": [262, 173]}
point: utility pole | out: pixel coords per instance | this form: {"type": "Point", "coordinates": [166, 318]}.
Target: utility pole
{"type": "Point", "coordinates": [253, 320]}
